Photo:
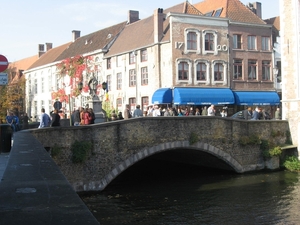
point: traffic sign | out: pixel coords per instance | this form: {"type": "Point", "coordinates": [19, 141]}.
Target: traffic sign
{"type": "Point", "coordinates": [57, 105]}
{"type": "Point", "coordinates": [3, 79]}
{"type": "Point", "coordinates": [3, 63]}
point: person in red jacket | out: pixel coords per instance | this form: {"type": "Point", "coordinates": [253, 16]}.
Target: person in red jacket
{"type": "Point", "coordinates": [87, 117]}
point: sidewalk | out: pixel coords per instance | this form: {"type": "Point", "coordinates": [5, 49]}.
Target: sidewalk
{"type": "Point", "coordinates": [3, 163]}
{"type": "Point", "coordinates": [4, 156]}
{"type": "Point", "coordinates": [33, 190]}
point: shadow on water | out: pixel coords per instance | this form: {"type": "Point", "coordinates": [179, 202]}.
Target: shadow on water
{"type": "Point", "coordinates": [160, 192]}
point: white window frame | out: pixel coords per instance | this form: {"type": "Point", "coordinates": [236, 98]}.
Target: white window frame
{"type": "Point", "coordinates": [198, 35]}
{"type": "Point", "coordinates": [215, 51]}
{"type": "Point", "coordinates": [189, 62]}
{"type": "Point", "coordinates": [224, 81]}
{"type": "Point", "coordinates": [207, 78]}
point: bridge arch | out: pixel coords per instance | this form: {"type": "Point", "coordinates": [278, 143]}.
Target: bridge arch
{"type": "Point", "coordinates": [147, 152]}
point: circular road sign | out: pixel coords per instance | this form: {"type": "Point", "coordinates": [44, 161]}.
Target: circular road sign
{"type": "Point", "coordinates": [57, 105]}
{"type": "Point", "coordinates": [3, 63]}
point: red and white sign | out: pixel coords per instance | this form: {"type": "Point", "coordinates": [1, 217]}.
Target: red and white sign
{"type": "Point", "coordinates": [3, 63]}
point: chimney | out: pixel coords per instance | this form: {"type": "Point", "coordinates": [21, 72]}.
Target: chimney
{"type": "Point", "coordinates": [255, 7]}
{"type": "Point", "coordinates": [41, 50]}
{"type": "Point", "coordinates": [75, 35]}
{"type": "Point", "coordinates": [48, 46]}
{"type": "Point", "coordinates": [158, 24]}
{"type": "Point", "coordinates": [133, 16]}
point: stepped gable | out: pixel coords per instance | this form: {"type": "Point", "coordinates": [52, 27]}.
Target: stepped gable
{"type": "Point", "coordinates": [50, 56]}
{"type": "Point", "coordinates": [99, 40]}
{"type": "Point", "coordinates": [231, 9]}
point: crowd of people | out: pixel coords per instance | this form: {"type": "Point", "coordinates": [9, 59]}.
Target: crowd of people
{"type": "Point", "coordinates": [86, 116]}
{"type": "Point", "coordinates": [260, 114]}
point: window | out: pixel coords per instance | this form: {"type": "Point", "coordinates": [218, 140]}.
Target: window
{"type": "Point", "coordinates": [266, 70]}
{"type": "Point", "coordinates": [145, 103]}
{"type": "Point", "coordinates": [218, 13]}
{"type": "Point", "coordinates": [251, 69]}
{"type": "Point", "coordinates": [251, 42]}
{"type": "Point", "coordinates": [144, 55]}
{"type": "Point", "coordinates": [49, 81]}
{"type": "Point", "coordinates": [119, 81]}
{"type": "Point", "coordinates": [35, 86]}
{"type": "Point", "coordinates": [132, 56]}
{"type": "Point", "coordinates": [132, 102]}
{"type": "Point", "coordinates": [119, 61]}
{"type": "Point", "coordinates": [42, 84]}
{"type": "Point", "coordinates": [132, 78]}
{"type": "Point", "coordinates": [201, 71]}
{"type": "Point", "coordinates": [29, 84]}
{"type": "Point", "coordinates": [35, 109]}
{"type": "Point", "coordinates": [144, 76]}
{"type": "Point", "coordinates": [237, 41]}
{"type": "Point", "coordinates": [191, 41]}
{"type": "Point", "coordinates": [183, 71]}
{"type": "Point", "coordinates": [42, 104]}
{"type": "Point", "coordinates": [209, 42]}
{"type": "Point", "coordinates": [209, 13]}
{"type": "Point", "coordinates": [237, 69]}
{"type": "Point", "coordinates": [265, 43]}
{"type": "Point", "coordinates": [108, 63]}
{"type": "Point", "coordinates": [108, 81]}
{"type": "Point", "coordinates": [218, 72]}
{"type": "Point", "coordinates": [119, 102]}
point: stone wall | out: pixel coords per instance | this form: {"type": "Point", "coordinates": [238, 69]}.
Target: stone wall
{"type": "Point", "coordinates": [119, 144]}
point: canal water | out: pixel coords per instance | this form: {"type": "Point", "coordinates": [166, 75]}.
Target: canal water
{"type": "Point", "coordinates": [163, 193]}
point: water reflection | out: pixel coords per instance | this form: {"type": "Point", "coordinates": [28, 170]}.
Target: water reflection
{"type": "Point", "coordinates": [163, 193]}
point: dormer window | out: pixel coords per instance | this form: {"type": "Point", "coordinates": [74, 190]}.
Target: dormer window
{"type": "Point", "coordinates": [218, 12]}
{"type": "Point", "coordinates": [209, 13]}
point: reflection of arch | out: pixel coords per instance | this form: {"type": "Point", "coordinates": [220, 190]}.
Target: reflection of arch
{"type": "Point", "coordinates": [146, 152]}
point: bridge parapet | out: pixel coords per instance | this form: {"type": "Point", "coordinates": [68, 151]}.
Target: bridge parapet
{"type": "Point", "coordinates": [118, 145]}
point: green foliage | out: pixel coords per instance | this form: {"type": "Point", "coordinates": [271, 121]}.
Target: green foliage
{"type": "Point", "coordinates": [55, 151]}
{"type": "Point", "coordinates": [108, 108]}
{"type": "Point", "coordinates": [276, 151]}
{"type": "Point", "coordinates": [249, 140]}
{"type": "Point", "coordinates": [292, 163]}
{"type": "Point", "coordinates": [80, 150]}
{"type": "Point", "coordinates": [193, 138]}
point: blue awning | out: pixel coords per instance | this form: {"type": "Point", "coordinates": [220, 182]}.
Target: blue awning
{"type": "Point", "coordinates": [256, 98]}
{"type": "Point", "coordinates": [203, 96]}
{"type": "Point", "coordinates": [162, 96]}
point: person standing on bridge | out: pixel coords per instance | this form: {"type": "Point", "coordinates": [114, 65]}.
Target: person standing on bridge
{"type": "Point", "coordinates": [44, 119]}
{"type": "Point", "coordinates": [138, 112]}
{"type": "Point", "coordinates": [55, 122]}
{"type": "Point", "coordinates": [211, 111]}
{"type": "Point", "coordinates": [127, 114]}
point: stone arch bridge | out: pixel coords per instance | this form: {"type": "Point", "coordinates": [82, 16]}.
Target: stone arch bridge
{"type": "Point", "coordinates": [208, 141]}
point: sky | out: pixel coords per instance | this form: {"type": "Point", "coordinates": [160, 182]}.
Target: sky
{"type": "Point", "coordinates": [26, 24]}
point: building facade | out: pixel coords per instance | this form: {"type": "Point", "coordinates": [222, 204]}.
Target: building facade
{"type": "Point", "coordinates": [290, 51]}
